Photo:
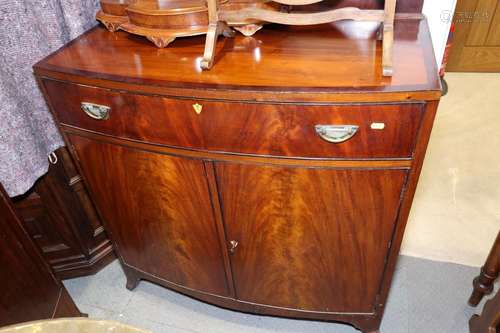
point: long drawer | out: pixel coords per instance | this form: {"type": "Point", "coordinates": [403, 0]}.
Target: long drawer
{"type": "Point", "coordinates": [355, 131]}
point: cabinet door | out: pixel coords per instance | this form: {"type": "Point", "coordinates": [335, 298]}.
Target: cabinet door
{"type": "Point", "coordinates": [308, 238]}
{"type": "Point", "coordinates": [158, 211]}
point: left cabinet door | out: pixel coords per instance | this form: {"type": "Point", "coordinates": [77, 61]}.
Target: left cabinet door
{"type": "Point", "coordinates": [158, 210]}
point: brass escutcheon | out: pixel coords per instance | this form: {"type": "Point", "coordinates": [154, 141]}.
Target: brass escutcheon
{"type": "Point", "coordinates": [197, 108]}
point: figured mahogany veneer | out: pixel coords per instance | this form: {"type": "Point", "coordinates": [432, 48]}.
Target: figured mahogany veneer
{"type": "Point", "coordinates": [263, 129]}
{"type": "Point", "coordinates": [217, 185]}
{"type": "Point", "coordinates": [301, 225]}
{"type": "Point", "coordinates": [179, 226]}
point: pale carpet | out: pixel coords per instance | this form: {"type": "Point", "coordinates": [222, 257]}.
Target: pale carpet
{"type": "Point", "coordinates": [456, 213]}
{"type": "Point", "coordinates": [426, 297]}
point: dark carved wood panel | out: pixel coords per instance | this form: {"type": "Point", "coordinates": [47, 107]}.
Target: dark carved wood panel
{"type": "Point", "coordinates": [158, 211]}
{"type": "Point", "coordinates": [309, 239]}
{"type": "Point", "coordinates": [62, 221]}
{"type": "Point", "coordinates": [29, 289]}
{"type": "Point", "coordinates": [264, 129]}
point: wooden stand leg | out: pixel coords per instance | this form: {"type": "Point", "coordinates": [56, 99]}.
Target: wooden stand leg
{"type": "Point", "coordinates": [133, 277]}
{"type": "Point", "coordinates": [483, 284]}
{"type": "Point", "coordinates": [214, 30]}
{"type": "Point", "coordinates": [210, 43]}
{"type": "Point", "coordinates": [388, 41]}
{"type": "Point", "coordinates": [388, 37]}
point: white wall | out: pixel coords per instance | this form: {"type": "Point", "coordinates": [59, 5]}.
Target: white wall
{"type": "Point", "coordinates": [439, 14]}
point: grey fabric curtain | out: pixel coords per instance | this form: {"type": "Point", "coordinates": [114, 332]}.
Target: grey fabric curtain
{"type": "Point", "coordinates": [30, 30]}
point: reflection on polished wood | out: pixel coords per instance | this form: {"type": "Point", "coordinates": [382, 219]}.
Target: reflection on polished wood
{"type": "Point", "coordinates": [292, 215]}
{"type": "Point", "coordinates": [263, 129]}
{"type": "Point", "coordinates": [162, 21]}
{"type": "Point", "coordinates": [217, 185]}
{"type": "Point", "coordinates": [218, 16]}
{"type": "Point", "coordinates": [273, 60]}
{"type": "Point", "coordinates": [167, 200]}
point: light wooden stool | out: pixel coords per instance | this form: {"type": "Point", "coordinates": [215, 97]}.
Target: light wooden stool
{"type": "Point", "coordinates": [218, 18]}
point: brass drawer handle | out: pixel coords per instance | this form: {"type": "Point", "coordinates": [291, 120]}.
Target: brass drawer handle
{"type": "Point", "coordinates": [96, 111]}
{"type": "Point", "coordinates": [336, 133]}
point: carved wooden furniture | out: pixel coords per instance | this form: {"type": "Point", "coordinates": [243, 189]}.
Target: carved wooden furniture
{"type": "Point", "coordinates": [219, 17]}
{"type": "Point", "coordinates": [489, 320]}
{"type": "Point", "coordinates": [113, 13]}
{"type": "Point", "coordinates": [59, 216]}
{"type": "Point", "coordinates": [249, 27]}
{"type": "Point", "coordinates": [162, 21]}
{"type": "Point", "coordinates": [279, 182]}
{"type": "Point", "coordinates": [30, 291]}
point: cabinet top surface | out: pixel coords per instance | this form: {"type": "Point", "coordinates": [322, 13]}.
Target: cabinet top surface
{"type": "Point", "coordinates": [340, 58]}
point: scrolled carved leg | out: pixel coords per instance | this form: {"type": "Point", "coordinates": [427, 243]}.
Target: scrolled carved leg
{"type": "Point", "coordinates": [111, 22]}
{"type": "Point", "coordinates": [133, 278]}
{"type": "Point", "coordinates": [249, 29]}
{"type": "Point", "coordinates": [483, 284]}
{"type": "Point", "coordinates": [214, 30]}
{"type": "Point", "coordinates": [111, 26]}
{"type": "Point", "coordinates": [161, 41]}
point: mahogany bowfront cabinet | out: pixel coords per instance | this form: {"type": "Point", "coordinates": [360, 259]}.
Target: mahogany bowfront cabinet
{"type": "Point", "coordinates": [277, 183]}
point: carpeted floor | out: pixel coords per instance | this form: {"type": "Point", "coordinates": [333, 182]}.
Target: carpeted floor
{"type": "Point", "coordinates": [426, 297]}
{"type": "Point", "coordinates": [455, 215]}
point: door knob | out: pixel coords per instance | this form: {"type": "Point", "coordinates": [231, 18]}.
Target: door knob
{"type": "Point", "coordinates": [233, 246]}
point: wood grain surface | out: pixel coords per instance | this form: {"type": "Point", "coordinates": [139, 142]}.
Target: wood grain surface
{"type": "Point", "coordinates": [158, 211]}
{"type": "Point", "coordinates": [309, 239]}
{"type": "Point", "coordinates": [248, 128]}
{"type": "Point", "coordinates": [296, 63]}
{"type": "Point", "coordinates": [316, 227]}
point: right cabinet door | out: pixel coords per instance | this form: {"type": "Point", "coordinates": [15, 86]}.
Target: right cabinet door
{"type": "Point", "coordinates": [312, 239]}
